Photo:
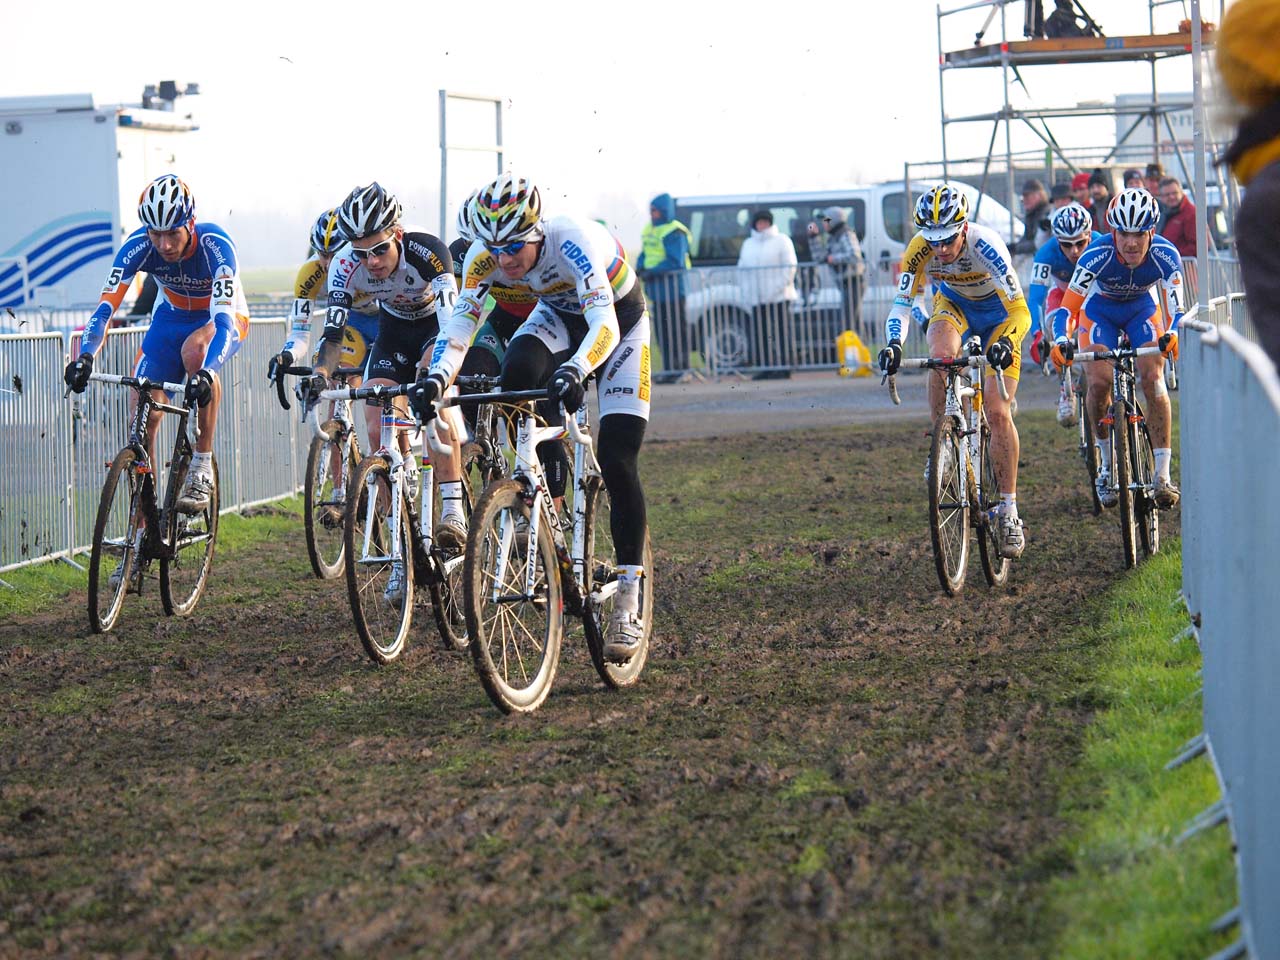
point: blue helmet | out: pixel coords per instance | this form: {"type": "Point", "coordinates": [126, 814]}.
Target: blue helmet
{"type": "Point", "coordinates": [1072, 222]}
{"type": "Point", "coordinates": [326, 233]}
{"type": "Point", "coordinates": [166, 204]}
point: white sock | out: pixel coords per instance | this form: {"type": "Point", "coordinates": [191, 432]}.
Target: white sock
{"type": "Point", "coordinates": [1104, 455]}
{"type": "Point", "coordinates": [1163, 456]}
{"type": "Point", "coordinates": [202, 464]}
{"type": "Point", "coordinates": [628, 597]}
{"type": "Point", "coordinates": [1009, 505]}
{"type": "Point", "coordinates": [451, 499]}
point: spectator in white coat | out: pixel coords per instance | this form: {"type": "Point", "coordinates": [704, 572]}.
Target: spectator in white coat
{"type": "Point", "coordinates": [767, 278]}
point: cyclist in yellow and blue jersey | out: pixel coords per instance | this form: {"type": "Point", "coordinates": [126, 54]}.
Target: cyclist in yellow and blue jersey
{"type": "Point", "coordinates": [977, 292]}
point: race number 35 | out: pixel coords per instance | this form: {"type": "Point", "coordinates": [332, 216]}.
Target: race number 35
{"type": "Point", "coordinates": [224, 289]}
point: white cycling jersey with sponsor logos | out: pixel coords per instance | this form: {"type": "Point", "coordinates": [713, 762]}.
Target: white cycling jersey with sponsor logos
{"type": "Point", "coordinates": [421, 284]}
{"type": "Point", "coordinates": [581, 273]}
{"type": "Point", "coordinates": [983, 270]}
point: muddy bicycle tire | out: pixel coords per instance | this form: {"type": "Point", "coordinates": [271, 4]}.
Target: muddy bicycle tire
{"type": "Point", "coordinates": [601, 563]}
{"type": "Point", "coordinates": [1144, 472]}
{"type": "Point", "coordinates": [515, 638]}
{"type": "Point", "coordinates": [1089, 451]}
{"type": "Point", "coordinates": [995, 567]}
{"type": "Point", "coordinates": [383, 627]}
{"type": "Point", "coordinates": [1124, 482]}
{"type": "Point", "coordinates": [184, 573]}
{"type": "Point", "coordinates": [114, 536]}
{"type": "Point", "coordinates": [325, 542]}
{"type": "Point", "coordinates": [948, 505]}
{"type": "Point", "coordinates": [447, 597]}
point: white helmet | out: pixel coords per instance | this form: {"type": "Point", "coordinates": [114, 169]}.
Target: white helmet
{"type": "Point", "coordinates": [368, 210]}
{"type": "Point", "coordinates": [941, 212]}
{"type": "Point", "coordinates": [1133, 211]}
{"type": "Point", "coordinates": [166, 203]}
{"type": "Point", "coordinates": [1071, 222]}
{"type": "Point", "coordinates": [507, 210]}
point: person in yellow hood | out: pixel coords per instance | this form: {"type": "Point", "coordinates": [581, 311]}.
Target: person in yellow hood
{"type": "Point", "coordinates": [1248, 60]}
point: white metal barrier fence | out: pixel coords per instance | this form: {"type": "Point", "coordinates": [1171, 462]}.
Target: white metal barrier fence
{"type": "Point", "coordinates": [1230, 440]}
{"type": "Point", "coordinates": [56, 450]}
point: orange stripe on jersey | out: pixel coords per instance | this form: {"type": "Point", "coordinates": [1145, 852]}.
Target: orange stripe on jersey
{"type": "Point", "coordinates": [115, 296]}
{"type": "Point", "coordinates": [1073, 302]}
{"type": "Point", "coordinates": [182, 302]}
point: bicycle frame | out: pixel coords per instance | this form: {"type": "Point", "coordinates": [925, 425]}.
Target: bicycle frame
{"type": "Point", "coordinates": [1124, 385]}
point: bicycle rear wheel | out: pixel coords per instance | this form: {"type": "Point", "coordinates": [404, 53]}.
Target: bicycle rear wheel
{"type": "Point", "coordinates": [1120, 428]}
{"type": "Point", "coordinates": [324, 511]}
{"type": "Point", "coordinates": [515, 630]}
{"type": "Point", "coordinates": [1144, 472]}
{"type": "Point", "coordinates": [1088, 449]}
{"type": "Point", "coordinates": [115, 541]}
{"type": "Point", "coordinates": [601, 564]}
{"type": "Point", "coordinates": [184, 572]}
{"type": "Point", "coordinates": [995, 567]}
{"type": "Point", "coordinates": [948, 504]}
{"type": "Point", "coordinates": [447, 602]}
{"type": "Point", "coordinates": [382, 616]}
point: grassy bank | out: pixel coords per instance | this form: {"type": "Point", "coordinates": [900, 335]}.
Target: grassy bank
{"type": "Point", "coordinates": [1132, 891]}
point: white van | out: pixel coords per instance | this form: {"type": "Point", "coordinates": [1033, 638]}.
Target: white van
{"type": "Point", "coordinates": [879, 214]}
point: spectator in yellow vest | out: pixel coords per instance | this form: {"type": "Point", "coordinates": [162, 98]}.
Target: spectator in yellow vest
{"type": "Point", "coordinates": [663, 265]}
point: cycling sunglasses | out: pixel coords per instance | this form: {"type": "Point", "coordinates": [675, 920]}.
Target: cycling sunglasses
{"type": "Point", "coordinates": [510, 249]}
{"type": "Point", "coordinates": [359, 253]}
{"type": "Point", "coordinates": [946, 242]}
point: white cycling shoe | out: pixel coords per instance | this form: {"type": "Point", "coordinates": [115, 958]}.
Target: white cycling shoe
{"type": "Point", "coordinates": [1107, 495]}
{"type": "Point", "coordinates": [196, 490]}
{"type": "Point", "coordinates": [1013, 538]}
{"type": "Point", "coordinates": [1167, 495]}
{"type": "Point", "coordinates": [451, 531]}
{"type": "Point", "coordinates": [624, 637]}
{"type": "Point", "coordinates": [394, 594]}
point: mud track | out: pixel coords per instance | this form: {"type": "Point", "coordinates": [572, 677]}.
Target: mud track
{"type": "Point", "coordinates": [825, 756]}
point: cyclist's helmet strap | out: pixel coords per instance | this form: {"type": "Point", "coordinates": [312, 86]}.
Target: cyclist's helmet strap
{"type": "Point", "coordinates": [166, 204]}
{"type": "Point", "coordinates": [507, 210]}
{"type": "Point", "coordinates": [368, 211]}
{"type": "Point", "coordinates": [941, 212]}
{"type": "Point", "coordinates": [326, 234]}
{"type": "Point", "coordinates": [1133, 211]}
{"type": "Point", "coordinates": [1071, 222]}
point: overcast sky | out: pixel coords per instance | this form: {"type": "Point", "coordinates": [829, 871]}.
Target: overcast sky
{"type": "Point", "coordinates": [605, 105]}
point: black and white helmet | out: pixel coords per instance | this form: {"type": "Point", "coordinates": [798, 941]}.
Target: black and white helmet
{"type": "Point", "coordinates": [166, 204]}
{"type": "Point", "coordinates": [507, 210]}
{"type": "Point", "coordinates": [367, 211]}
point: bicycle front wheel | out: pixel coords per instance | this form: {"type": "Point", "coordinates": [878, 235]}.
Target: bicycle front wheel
{"type": "Point", "coordinates": [115, 542]}
{"type": "Point", "coordinates": [995, 566]}
{"type": "Point", "coordinates": [1088, 450]}
{"type": "Point", "coordinates": [601, 566]}
{"type": "Point", "coordinates": [447, 596]}
{"type": "Point", "coordinates": [324, 509]}
{"type": "Point", "coordinates": [1124, 480]}
{"type": "Point", "coordinates": [514, 615]}
{"type": "Point", "coordinates": [948, 504]}
{"type": "Point", "coordinates": [184, 569]}
{"type": "Point", "coordinates": [379, 563]}
{"type": "Point", "coordinates": [1144, 473]}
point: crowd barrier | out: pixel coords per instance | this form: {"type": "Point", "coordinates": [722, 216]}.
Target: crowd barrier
{"type": "Point", "coordinates": [57, 450]}
{"type": "Point", "coordinates": [1230, 419]}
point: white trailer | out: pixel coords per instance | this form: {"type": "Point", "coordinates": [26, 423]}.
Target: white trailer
{"type": "Point", "coordinates": [73, 171]}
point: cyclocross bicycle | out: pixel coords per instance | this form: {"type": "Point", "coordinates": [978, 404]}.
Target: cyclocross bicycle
{"type": "Point", "coordinates": [133, 528]}
{"type": "Point", "coordinates": [522, 576]}
{"type": "Point", "coordinates": [331, 462]}
{"type": "Point", "coordinates": [963, 491]}
{"type": "Point", "coordinates": [1133, 463]}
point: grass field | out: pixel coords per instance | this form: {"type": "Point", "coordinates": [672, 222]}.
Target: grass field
{"type": "Point", "coordinates": [825, 757]}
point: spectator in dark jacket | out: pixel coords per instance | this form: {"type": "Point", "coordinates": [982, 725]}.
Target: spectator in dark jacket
{"type": "Point", "coordinates": [1248, 58]}
{"type": "Point", "coordinates": [663, 265]}
{"type": "Point", "coordinates": [1100, 194]}
{"type": "Point", "coordinates": [1036, 213]}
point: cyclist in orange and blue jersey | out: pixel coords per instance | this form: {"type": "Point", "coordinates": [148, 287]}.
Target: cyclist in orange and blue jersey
{"type": "Point", "coordinates": [1122, 270]}
{"type": "Point", "coordinates": [198, 325]}
{"type": "Point", "coordinates": [1054, 263]}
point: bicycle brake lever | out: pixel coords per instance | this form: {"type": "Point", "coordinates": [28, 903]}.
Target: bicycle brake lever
{"type": "Point", "coordinates": [893, 389]}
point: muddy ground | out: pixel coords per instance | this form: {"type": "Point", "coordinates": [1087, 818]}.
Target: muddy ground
{"type": "Point", "coordinates": [825, 756]}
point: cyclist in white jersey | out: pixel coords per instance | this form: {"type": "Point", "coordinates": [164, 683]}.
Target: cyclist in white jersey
{"type": "Point", "coordinates": [590, 317]}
